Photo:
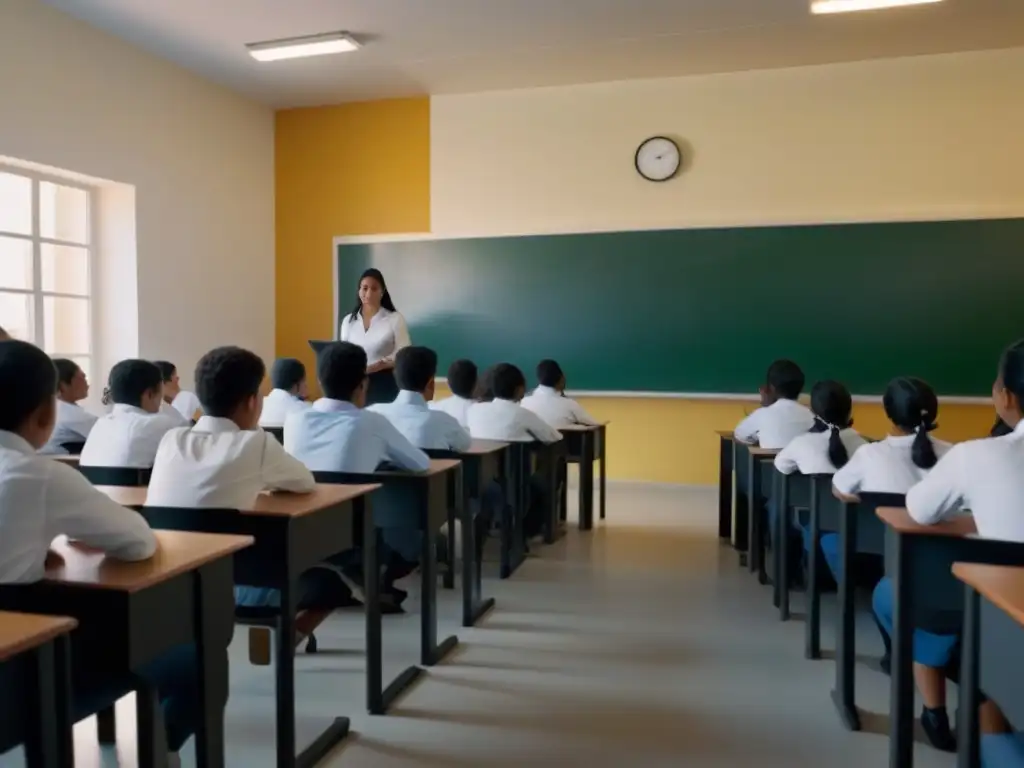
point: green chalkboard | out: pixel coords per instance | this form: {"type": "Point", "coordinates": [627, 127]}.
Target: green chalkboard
{"type": "Point", "coordinates": [706, 310]}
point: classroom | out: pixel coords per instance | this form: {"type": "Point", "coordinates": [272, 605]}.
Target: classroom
{"type": "Point", "coordinates": [681, 215]}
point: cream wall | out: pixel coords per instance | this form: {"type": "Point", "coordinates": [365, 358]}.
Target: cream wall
{"type": "Point", "coordinates": [200, 158]}
{"type": "Point", "coordinates": [927, 137]}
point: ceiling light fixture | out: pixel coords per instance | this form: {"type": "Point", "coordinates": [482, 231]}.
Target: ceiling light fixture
{"type": "Point", "coordinates": [300, 47]}
{"type": "Point", "coordinates": [848, 6]}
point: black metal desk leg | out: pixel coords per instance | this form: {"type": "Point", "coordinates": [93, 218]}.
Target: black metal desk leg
{"type": "Point", "coordinates": [901, 704]}
{"type": "Point", "coordinates": [968, 738]}
{"type": "Point", "coordinates": [49, 723]}
{"type": "Point", "coordinates": [724, 489]}
{"type": "Point", "coordinates": [363, 509]}
{"type": "Point", "coordinates": [753, 513]}
{"type": "Point", "coordinates": [586, 495]}
{"type": "Point", "coordinates": [150, 721]}
{"type": "Point", "coordinates": [782, 545]}
{"type": "Point", "coordinates": [603, 476]}
{"type": "Point", "coordinates": [454, 499]}
{"type": "Point", "coordinates": [844, 694]}
{"type": "Point", "coordinates": [430, 652]}
{"type": "Point", "coordinates": [812, 629]}
{"type": "Point", "coordinates": [212, 673]}
{"type": "Point", "coordinates": [284, 673]}
{"type": "Point", "coordinates": [106, 726]}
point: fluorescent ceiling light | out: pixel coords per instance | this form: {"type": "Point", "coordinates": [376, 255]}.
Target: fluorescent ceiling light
{"type": "Point", "coordinates": [299, 47]}
{"type": "Point", "coordinates": [847, 6]}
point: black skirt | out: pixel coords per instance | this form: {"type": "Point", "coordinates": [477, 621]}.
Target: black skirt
{"type": "Point", "coordinates": [382, 388]}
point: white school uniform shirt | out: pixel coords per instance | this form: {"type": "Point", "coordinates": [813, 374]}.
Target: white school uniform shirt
{"type": "Point", "coordinates": [42, 498]}
{"type": "Point", "coordinates": [808, 453]}
{"type": "Point", "coordinates": [126, 437]}
{"type": "Point", "coordinates": [336, 436]}
{"type": "Point", "coordinates": [186, 403]}
{"type": "Point", "coordinates": [217, 465]}
{"type": "Point", "coordinates": [421, 426]}
{"type": "Point", "coordinates": [773, 426]}
{"type": "Point", "coordinates": [73, 426]}
{"type": "Point", "coordinates": [455, 406]}
{"type": "Point", "coordinates": [557, 409]}
{"type": "Point", "coordinates": [277, 405]}
{"type": "Point", "coordinates": [884, 467]}
{"type": "Point", "coordinates": [387, 334]}
{"type": "Point", "coordinates": [167, 409]}
{"type": "Point", "coordinates": [985, 476]}
{"type": "Point", "coordinates": [509, 421]}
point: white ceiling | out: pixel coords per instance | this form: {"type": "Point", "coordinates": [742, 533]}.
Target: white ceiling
{"type": "Point", "coordinates": [454, 46]}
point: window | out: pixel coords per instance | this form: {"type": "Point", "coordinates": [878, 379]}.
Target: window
{"type": "Point", "coordinates": [45, 255]}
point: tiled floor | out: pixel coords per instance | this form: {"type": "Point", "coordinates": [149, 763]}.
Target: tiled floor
{"type": "Point", "coordinates": [639, 645]}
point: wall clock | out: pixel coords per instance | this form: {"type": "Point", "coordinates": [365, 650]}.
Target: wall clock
{"type": "Point", "coordinates": [658, 158]}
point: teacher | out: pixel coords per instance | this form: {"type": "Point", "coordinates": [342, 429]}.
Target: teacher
{"type": "Point", "coordinates": [375, 325]}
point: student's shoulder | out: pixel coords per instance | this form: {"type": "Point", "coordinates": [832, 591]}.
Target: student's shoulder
{"type": "Point", "coordinates": [444, 418]}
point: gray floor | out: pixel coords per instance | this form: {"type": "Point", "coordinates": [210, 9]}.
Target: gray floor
{"type": "Point", "coordinates": [641, 644]}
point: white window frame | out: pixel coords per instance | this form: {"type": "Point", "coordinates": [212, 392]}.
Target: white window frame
{"type": "Point", "coordinates": [38, 241]}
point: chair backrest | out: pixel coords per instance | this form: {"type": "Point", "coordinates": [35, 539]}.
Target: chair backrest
{"type": "Point", "coordinates": [345, 478]}
{"type": "Point", "coordinates": [870, 529]}
{"type": "Point", "coordinates": [277, 432]}
{"type": "Point", "coordinates": [74, 447]}
{"type": "Point", "coordinates": [130, 476]}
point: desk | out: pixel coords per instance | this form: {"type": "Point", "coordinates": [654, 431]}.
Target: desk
{"type": "Point", "coordinates": [993, 634]}
{"type": "Point", "coordinates": [431, 491]}
{"type": "Point", "coordinates": [919, 556]}
{"type": "Point", "coordinates": [585, 445]}
{"type": "Point", "coordinates": [725, 456]}
{"type": "Point", "coordinates": [756, 510]}
{"type": "Point", "coordinates": [130, 613]}
{"type": "Point", "coordinates": [481, 462]}
{"type": "Point", "coordinates": [548, 457]}
{"type": "Point", "coordinates": [34, 668]}
{"type": "Point", "coordinates": [292, 533]}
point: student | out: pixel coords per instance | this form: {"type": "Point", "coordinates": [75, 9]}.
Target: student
{"type": "Point", "coordinates": [338, 435]}
{"type": "Point", "coordinates": [780, 417]}
{"type": "Point", "coordinates": [462, 381]}
{"type": "Point", "coordinates": [73, 421]}
{"type": "Point", "coordinates": [181, 400]}
{"type": "Point", "coordinates": [42, 499]}
{"type": "Point", "coordinates": [484, 388]}
{"type": "Point", "coordinates": [826, 448]}
{"type": "Point", "coordinates": [987, 477]}
{"type": "Point", "coordinates": [288, 377]}
{"type": "Point", "coordinates": [415, 369]}
{"type": "Point", "coordinates": [130, 434]}
{"type": "Point", "coordinates": [224, 462]}
{"type": "Point", "coordinates": [549, 402]}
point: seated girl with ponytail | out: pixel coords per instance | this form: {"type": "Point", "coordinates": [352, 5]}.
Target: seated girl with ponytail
{"type": "Point", "coordinates": [829, 444]}
{"type": "Point", "coordinates": [895, 465]}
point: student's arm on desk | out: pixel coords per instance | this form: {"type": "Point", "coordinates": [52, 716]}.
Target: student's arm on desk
{"type": "Point", "coordinates": [457, 436]}
{"type": "Point", "coordinates": [940, 493]}
{"type": "Point", "coordinates": [398, 450]}
{"type": "Point", "coordinates": [580, 415]}
{"type": "Point", "coordinates": [73, 507]}
{"type": "Point", "coordinates": [283, 472]}
{"type": "Point", "coordinates": [849, 479]}
{"type": "Point", "coordinates": [785, 460]}
{"type": "Point", "coordinates": [538, 428]}
{"type": "Point", "coordinates": [746, 431]}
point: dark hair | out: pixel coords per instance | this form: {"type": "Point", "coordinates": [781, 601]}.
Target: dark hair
{"type": "Point", "coordinates": [462, 378]}
{"type": "Point", "coordinates": [785, 379]}
{"type": "Point", "coordinates": [415, 368]}
{"type": "Point", "coordinates": [549, 373]}
{"type": "Point", "coordinates": [912, 406]}
{"type": "Point", "coordinates": [286, 373]}
{"type": "Point", "coordinates": [167, 370]}
{"type": "Point", "coordinates": [507, 380]}
{"type": "Point", "coordinates": [66, 369]}
{"type": "Point", "coordinates": [341, 368]}
{"type": "Point", "coordinates": [28, 378]}
{"type": "Point", "coordinates": [1000, 428]}
{"type": "Point", "coordinates": [1011, 369]}
{"type": "Point", "coordinates": [485, 386]}
{"type": "Point", "coordinates": [129, 380]}
{"type": "Point", "coordinates": [226, 377]}
{"type": "Point", "coordinates": [832, 405]}
{"type": "Point", "coordinates": [385, 300]}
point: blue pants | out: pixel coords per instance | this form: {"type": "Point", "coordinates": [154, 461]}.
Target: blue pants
{"type": "Point", "coordinates": [318, 588]}
{"type": "Point", "coordinates": [929, 649]}
{"type": "Point", "coordinates": [830, 549]}
{"type": "Point", "coordinates": [1002, 750]}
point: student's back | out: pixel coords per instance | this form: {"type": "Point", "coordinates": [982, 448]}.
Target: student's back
{"type": "Point", "coordinates": [831, 441]}
{"type": "Point", "coordinates": [336, 434]}
{"type": "Point", "coordinates": [288, 377]}
{"type": "Point", "coordinates": [462, 381]}
{"type": "Point", "coordinates": [781, 418]}
{"type": "Point", "coordinates": [549, 401]}
{"type": "Point", "coordinates": [503, 418]}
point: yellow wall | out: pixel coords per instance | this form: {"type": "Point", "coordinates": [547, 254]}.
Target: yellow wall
{"type": "Point", "coordinates": [352, 169]}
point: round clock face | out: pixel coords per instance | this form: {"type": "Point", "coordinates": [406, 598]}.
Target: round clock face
{"type": "Point", "coordinates": [658, 159]}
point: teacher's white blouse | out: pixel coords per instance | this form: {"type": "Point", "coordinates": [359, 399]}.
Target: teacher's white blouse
{"type": "Point", "coordinates": [386, 335]}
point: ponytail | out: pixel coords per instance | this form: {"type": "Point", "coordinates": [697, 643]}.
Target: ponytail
{"type": "Point", "coordinates": [832, 405]}
{"type": "Point", "coordinates": [837, 452]}
{"type": "Point", "coordinates": [922, 453]}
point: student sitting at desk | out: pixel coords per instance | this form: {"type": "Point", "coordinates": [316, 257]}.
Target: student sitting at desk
{"type": "Point", "coordinates": [549, 401]}
{"type": "Point", "coordinates": [73, 421]}
{"type": "Point", "coordinates": [41, 499]}
{"type": "Point", "coordinates": [987, 477]}
{"type": "Point", "coordinates": [780, 417]}
{"type": "Point", "coordinates": [338, 435]}
{"type": "Point", "coordinates": [895, 465]}
{"type": "Point", "coordinates": [130, 434]}
{"type": "Point", "coordinates": [462, 380]}
{"type": "Point", "coordinates": [224, 462]}
{"type": "Point", "coordinates": [826, 448]}
{"type": "Point", "coordinates": [288, 377]}
{"type": "Point", "coordinates": [183, 402]}
{"type": "Point", "coordinates": [503, 418]}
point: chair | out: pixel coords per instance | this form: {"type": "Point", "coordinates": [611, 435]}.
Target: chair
{"type": "Point", "coordinates": [127, 476]}
{"type": "Point", "coordinates": [74, 447]}
{"type": "Point", "coordinates": [277, 432]}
